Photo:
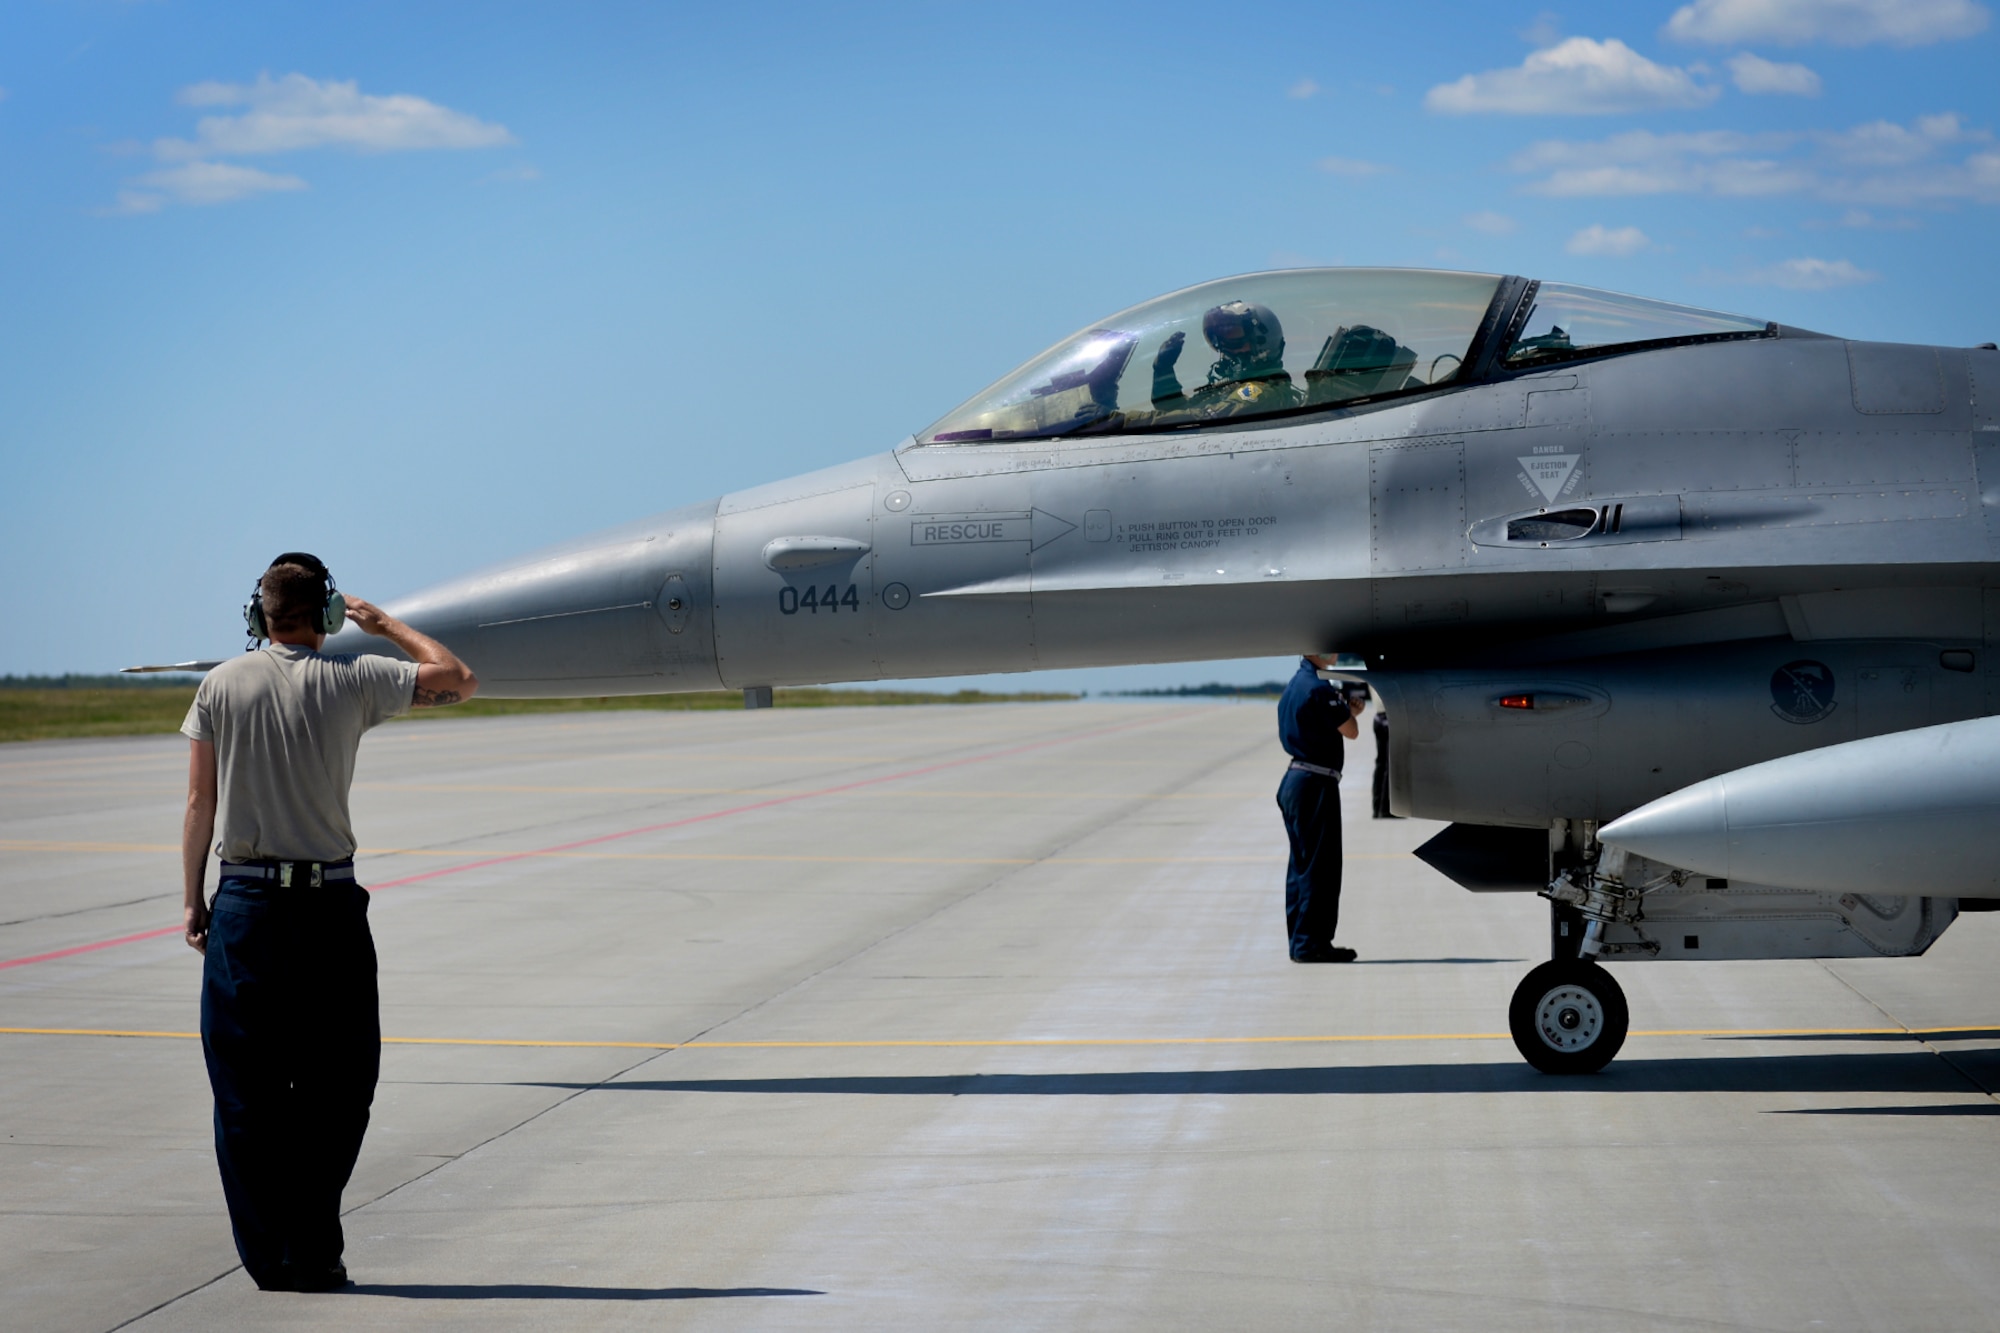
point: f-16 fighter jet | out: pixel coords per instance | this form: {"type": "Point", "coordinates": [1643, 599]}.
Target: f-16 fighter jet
{"type": "Point", "coordinates": [1689, 622]}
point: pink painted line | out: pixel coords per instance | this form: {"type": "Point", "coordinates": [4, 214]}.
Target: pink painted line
{"type": "Point", "coordinates": [786, 799]}
{"type": "Point", "coordinates": [91, 948]}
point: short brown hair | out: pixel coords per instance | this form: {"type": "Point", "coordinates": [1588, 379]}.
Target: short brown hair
{"type": "Point", "coordinates": [292, 597]}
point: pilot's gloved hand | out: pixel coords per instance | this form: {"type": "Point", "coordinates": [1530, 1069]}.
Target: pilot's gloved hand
{"type": "Point", "coordinates": [1169, 353]}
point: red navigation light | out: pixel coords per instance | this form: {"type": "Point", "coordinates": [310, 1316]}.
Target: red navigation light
{"type": "Point", "coordinates": [1517, 701]}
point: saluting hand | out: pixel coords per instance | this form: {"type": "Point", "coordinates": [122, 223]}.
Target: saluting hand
{"type": "Point", "coordinates": [368, 617]}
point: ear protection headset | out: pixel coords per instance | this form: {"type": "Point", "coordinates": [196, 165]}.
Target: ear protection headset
{"type": "Point", "coordinates": [332, 606]}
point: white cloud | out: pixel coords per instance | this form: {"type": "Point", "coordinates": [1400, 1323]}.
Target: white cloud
{"type": "Point", "coordinates": [1493, 224]}
{"type": "Point", "coordinates": [1597, 239]}
{"type": "Point", "coordinates": [295, 112]}
{"type": "Point", "coordinates": [1841, 22]}
{"type": "Point", "coordinates": [130, 202]}
{"type": "Point", "coordinates": [1301, 90]}
{"type": "Point", "coordinates": [1883, 143]}
{"type": "Point", "coordinates": [287, 115]}
{"type": "Point", "coordinates": [1546, 30]}
{"type": "Point", "coordinates": [1810, 275]}
{"type": "Point", "coordinates": [1863, 219]}
{"type": "Point", "coordinates": [1754, 74]}
{"type": "Point", "coordinates": [1934, 161]}
{"type": "Point", "coordinates": [1580, 76]}
{"type": "Point", "coordinates": [1350, 166]}
{"type": "Point", "coordinates": [197, 184]}
{"type": "Point", "coordinates": [1640, 162]}
{"type": "Point", "coordinates": [214, 182]}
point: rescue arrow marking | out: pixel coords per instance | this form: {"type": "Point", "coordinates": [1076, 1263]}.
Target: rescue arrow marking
{"type": "Point", "coordinates": [1045, 527]}
{"type": "Point", "coordinates": [1037, 527]}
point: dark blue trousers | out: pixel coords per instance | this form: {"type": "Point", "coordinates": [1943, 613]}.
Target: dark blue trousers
{"type": "Point", "coordinates": [293, 1039]}
{"type": "Point", "coordinates": [1311, 807]}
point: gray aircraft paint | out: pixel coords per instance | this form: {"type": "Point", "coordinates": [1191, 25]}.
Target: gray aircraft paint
{"type": "Point", "coordinates": [1757, 502]}
{"type": "Point", "coordinates": [588, 617]}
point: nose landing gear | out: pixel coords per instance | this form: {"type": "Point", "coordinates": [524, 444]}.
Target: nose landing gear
{"type": "Point", "coordinates": [1568, 1017]}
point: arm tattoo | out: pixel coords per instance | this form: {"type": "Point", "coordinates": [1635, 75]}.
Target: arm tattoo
{"type": "Point", "coordinates": [433, 698]}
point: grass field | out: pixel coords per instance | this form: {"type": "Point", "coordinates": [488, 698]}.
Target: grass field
{"type": "Point", "coordinates": [40, 715]}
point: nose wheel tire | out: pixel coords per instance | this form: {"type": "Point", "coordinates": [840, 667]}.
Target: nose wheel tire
{"type": "Point", "coordinates": [1568, 1017]}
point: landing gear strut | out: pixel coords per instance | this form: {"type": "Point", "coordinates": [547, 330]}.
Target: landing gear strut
{"type": "Point", "coordinates": [1568, 1017]}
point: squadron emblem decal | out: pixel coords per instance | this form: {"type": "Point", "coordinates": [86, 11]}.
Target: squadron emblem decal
{"type": "Point", "coordinates": [1802, 691]}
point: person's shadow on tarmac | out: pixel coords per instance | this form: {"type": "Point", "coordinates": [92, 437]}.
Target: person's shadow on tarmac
{"type": "Point", "coordinates": [544, 1291]}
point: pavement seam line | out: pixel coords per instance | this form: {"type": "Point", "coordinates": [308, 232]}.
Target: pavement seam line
{"type": "Point", "coordinates": [84, 911]}
{"type": "Point", "coordinates": [1915, 1034]}
{"type": "Point", "coordinates": [642, 1061]}
{"type": "Point", "coordinates": [658, 1054]}
{"type": "Point", "coordinates": [399, 1185]}
{"type": "Point", "coordinates": [1108, 819]}
{"type": "Point", "coordinates": [785, 799]}
{"type": "Point", "coordinates": [198, 1287]}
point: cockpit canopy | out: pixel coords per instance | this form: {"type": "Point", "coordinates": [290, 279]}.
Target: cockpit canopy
{"type": "Point", "coordinates": [1241, 347]}
{"type": "Point", "coordinates": [1562, 321]}
{"type": "Point", "coordinates": [1272, 343]}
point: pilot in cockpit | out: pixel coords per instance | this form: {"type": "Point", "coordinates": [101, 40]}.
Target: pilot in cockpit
{"type": "Point", "coordinates": [1249, 373]}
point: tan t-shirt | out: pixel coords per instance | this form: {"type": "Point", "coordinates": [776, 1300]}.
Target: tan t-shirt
{"type": "Point", "coordinates": [286, 722]}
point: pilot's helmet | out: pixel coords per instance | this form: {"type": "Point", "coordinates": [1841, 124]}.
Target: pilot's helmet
{"type": "Point", "coordinates": [1244, 332]}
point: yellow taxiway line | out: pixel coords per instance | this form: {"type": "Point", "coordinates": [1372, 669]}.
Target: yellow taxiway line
{"type": "Point", "coordinates": [1915, 1034]}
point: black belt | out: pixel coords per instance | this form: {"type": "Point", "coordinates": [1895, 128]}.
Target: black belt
{"type": "Point", "coordinates": [1301, 766]}
{"type": "Point", "coordinates": [289, 874]}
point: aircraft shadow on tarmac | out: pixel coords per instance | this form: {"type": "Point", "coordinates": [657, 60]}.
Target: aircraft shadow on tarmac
{"type": "Point", "coordinates": [1909, 1071]}
{"type": "Point", "coordinates": [1988, 1107]}
{"type": "Point", "coordinates": [1397, 962]}
{"type": "Point", "coordinates": [537, 1291]}
{"type": "Point", "coordinates": [1966, 1034]}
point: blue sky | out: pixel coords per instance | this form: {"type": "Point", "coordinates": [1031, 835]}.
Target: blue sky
{"type": "Point", "coordinates": [422, 286]}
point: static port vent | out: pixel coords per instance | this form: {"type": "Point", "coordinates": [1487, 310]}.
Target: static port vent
{"type": "Point", "coordinates": [1561, 525]}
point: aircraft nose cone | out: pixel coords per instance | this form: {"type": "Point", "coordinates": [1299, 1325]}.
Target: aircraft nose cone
{"type": "Point", "coordinates": [625, 611]}
{"type": "Point", "coordinates": [1687, 828]}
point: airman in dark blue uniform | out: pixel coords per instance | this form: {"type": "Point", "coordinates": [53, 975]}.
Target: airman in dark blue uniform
{"type": "Point", "coordinates": [1381, 791]}
{"type": "Point", "coordinates": [1313, 717]}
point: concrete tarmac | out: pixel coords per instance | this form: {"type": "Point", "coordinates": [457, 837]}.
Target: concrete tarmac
{"type": "Point", "coordinates": [969, 1017]}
